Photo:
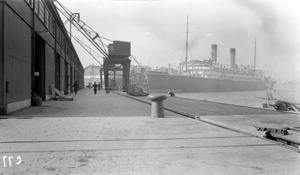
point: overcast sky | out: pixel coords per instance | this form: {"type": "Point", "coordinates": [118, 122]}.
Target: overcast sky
{"type": "Point", "coordinates": [157, 30]}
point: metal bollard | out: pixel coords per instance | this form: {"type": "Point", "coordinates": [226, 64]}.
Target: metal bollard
{"type": "Point", "coordinates": [157, 107]}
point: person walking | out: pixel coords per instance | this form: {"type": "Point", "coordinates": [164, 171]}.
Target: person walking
{"type": "Point", "coordinates": [95, 86]}
{"type": "Point", "coordinates": [76, 87]}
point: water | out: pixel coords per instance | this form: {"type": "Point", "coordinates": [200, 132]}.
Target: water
{"type": "Point", "coordinates": [289, 92]}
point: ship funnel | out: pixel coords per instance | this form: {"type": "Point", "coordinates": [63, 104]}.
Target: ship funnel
{"type": "Point", "coordinates": [214, 48]}
{"type": "Point", "coordinates": [232, 58]}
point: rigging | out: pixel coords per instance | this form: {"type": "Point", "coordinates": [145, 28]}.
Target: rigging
{"type": "Point", "coordinates": [81, 26]}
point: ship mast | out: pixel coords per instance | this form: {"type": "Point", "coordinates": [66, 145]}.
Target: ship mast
{"type": "Point", "coordinates": [187, 44]}
{"type": "Point", "coordinates": [255, 54]}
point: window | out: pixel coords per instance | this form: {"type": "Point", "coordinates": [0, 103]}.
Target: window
{"type": "Point", "coordinates": [67, 49]}
{"type": "Point", "coordinates": [41, 10]}
{"type": "Point", "coordinates": [51, 24]}
{"type": "Point", "coordinates": [36, 10]}
{"type": "Point", "coordinates": [58, 36]}
{"type": "Point", "coordinates": [30, 3]}
{"type": "Point", "coordinates": [60, 39]}
{"type": "Point", "coordinates": [63, 42]}
{"type": "Point", "coordinates": [47, 19]}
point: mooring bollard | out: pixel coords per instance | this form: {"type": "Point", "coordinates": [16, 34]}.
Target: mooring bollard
{"type": "Point", "coordinates": [157, 107]}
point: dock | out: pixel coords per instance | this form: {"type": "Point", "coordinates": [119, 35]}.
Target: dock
{"type": "Point", "coordinates": [113, 133]}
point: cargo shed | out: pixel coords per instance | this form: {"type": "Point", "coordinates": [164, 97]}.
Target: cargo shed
{"type": "Point", "coordinates": [35, 53]}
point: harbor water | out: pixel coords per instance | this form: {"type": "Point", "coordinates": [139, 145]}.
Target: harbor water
{"type": "Point", "coordinates": [283, 91]}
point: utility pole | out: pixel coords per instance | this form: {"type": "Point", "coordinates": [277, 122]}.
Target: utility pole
{"type": "Point", "coordinates": [255, 54]}
{"type": "Point", "coordinates": [187, 44]}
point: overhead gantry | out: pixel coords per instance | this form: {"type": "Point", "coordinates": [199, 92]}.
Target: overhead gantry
{"type": "Point", "coordinates": [118, 52]}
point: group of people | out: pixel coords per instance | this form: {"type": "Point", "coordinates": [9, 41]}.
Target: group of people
{"type": "Point", "coordinates": [95, 87]}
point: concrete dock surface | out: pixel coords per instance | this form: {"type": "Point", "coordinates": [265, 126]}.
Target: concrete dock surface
{"type": "Point", "coordinates": [109, 133]}
{"type": "Point", "coordinates": [234, 117]}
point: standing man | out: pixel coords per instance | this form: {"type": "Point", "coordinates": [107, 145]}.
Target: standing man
{"type": "Point", "coordinates": [76, 87]}
{"type": "Point", "coordinates": [99, 87]}
{"type": "Point", "coordinates": [95, 87]}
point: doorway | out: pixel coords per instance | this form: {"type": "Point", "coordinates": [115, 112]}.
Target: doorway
{"type": "Point", "coordinates": [39, 68]}
{"type": "Point", "coordinates": [71, 78]}
{"type": "Point", "coordinates": [66, 77]}
{"type": "Point", "coordinates": [57, 71]}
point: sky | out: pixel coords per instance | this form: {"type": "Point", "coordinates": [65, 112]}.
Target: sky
{"type": "Point", "coordinates": [157, 31]}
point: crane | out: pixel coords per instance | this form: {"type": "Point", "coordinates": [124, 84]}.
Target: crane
{"type": "Point", "coordinates": [89, 50]}
{"type": "Point", "coordinates": [86, 30]}
{"type": "Point", "coordinates": [96, 40]}
{"type": "Point", "coordinates": [136, 61]}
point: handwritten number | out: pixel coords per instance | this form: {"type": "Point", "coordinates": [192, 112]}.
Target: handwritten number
{"type": "Point", "coordinates": [19, 158]}
{"type": "Point", "coordinates": [10, 160]}
{"type": "Point", "coordinates": [4, 157]}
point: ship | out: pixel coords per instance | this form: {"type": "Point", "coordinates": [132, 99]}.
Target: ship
{"type": "Point", "coordinates": [201, 76]}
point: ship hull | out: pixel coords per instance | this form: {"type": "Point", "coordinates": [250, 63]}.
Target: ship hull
{"type": "Point", "coordinates": [178, 83]}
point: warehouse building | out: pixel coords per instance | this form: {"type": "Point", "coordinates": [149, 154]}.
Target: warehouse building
{"type": "Point", "coordinates": [91, 75]}
{"type": "Point", "coordinates": [35, 54]}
